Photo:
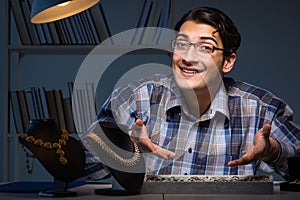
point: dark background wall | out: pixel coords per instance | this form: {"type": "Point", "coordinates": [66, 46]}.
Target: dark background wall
{"type": "Point", "coordinates": [268, 56]}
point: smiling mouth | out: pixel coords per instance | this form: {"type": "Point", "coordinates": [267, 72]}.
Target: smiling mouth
{"type": "Point", "coordinates": [190, 71]}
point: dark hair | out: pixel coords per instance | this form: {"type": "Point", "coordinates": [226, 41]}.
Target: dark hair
{"type": "Point", "coordinates": [229, 33]}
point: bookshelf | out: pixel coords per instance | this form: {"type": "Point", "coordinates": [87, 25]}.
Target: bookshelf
{"type": "Point", "coordinates": [84, 49]}
{"type": "Point", "coordinates": [50, 43]}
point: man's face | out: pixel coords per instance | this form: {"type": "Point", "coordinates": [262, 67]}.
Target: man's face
{"type": "Point", "coordinates": [198, 69]}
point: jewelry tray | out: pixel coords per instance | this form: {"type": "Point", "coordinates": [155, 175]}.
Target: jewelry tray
{"type": "Point", "coordinates": [203, 184]}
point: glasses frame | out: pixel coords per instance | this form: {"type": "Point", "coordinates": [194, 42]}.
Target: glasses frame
{"type": "Point", "coordinates": [214, 48]}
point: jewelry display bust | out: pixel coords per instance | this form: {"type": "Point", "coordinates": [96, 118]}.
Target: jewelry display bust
{"type": "Point", "coordinates": [61, 155]}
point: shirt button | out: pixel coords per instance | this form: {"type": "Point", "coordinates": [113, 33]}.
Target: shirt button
{"type": "Point", "coordinates": [190, 150]}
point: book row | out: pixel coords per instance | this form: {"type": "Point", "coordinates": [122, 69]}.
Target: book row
{"type": "Point", "coordinates": [90, 27]}
{"type": "Point", "coordinates": [74, 112]}
{"type": "Point", "coordinates": [86, 28]}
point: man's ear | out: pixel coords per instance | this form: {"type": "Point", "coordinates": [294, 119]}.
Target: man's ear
{"type": "Point", "coordinates": [228, 63]}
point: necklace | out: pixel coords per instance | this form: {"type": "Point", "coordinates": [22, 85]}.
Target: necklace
{"type": "Point", "coordinates": [28, 155]}
{"type": "Point", "coordinates": [57, 146]}
{"type": "Point", "coordinates": [124, 161]}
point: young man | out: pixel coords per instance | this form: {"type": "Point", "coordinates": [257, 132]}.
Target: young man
{"type": "Point", "coordinates": [199, 122]}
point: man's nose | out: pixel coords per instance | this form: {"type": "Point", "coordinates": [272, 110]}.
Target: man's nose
{"type": "Point", "coordinates": [191, 55]}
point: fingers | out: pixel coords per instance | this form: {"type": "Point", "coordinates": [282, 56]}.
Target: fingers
{"type": "Point", "coordinates": [265, 130]}
{"type": "Point", "coordinates": [258, 149]}
{"type": "Point", "coordinates": [139, 129]}
{"type": "Point", "coordinates": [241, 161]}
{"type": "Point", "coordinates": [140, 135]}
{"type": "Point", "coordinates": [163, 153]}
{"type": "Point", "coordinates": [147, 146]}
{"type": "Point", "coordinates": [233, 163]}
{"type": "Point", "coordinates": [139, 122]}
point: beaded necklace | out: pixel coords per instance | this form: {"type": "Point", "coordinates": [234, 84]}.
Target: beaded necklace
{"type": "Point", "coordinates": [62, 141]}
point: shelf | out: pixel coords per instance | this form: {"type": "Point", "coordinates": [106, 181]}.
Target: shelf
{"type": "Point", "coordinates": [86, 49]}
{"type": "Point", "coordinates": [51, 49]}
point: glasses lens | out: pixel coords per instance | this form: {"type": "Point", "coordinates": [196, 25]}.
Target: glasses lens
{"type": "Point", "coordinates": [181, 45]}
{"type": "Point", "coordinates": [205, 48]}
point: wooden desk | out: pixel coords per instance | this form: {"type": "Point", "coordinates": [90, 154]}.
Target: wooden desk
{"type": "Point", "coordinates": [86, 192]}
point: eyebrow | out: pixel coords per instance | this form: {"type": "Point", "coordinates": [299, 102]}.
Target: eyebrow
{"type": "Point", "coordinates": [183, 35]}
{"type": "Point", "coordinates": [209, 38]}
{"type": "Point", "coordinates": [201, 37]}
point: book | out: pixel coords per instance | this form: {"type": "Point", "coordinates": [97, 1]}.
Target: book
{"type": "Point", "coordinates": [144, 16]}
{"type": "Point", "coordinates": [155, 13]}
{"type": "Point", "coordinates": [67, 105]}
{"type": "Point", "coordinates": [20, 22]}
{"type": "Point", "coordinates": [65, 31]}
{"type": "Point", "coordinates": [85, 114]}
{"type": "Point", "coordinates": [87, 28]}
{"type": "Point", "coordinates": [40, 28]}
{"type": "Point", "coordinates": [48, 34]}
{"type": "Point", "coordinates": [23, 109]}
{"type": "Point", "coordinates": [16, 112]}
{"type": "Point", "coordinates": [81, 29]}
{"type": "Point", "coordinates": [44, 103]}
{"type": "Point", "coordinates": [37, 103]}
{"type": "Point", "coordinates": [77, 111]}
{"type": "Point", "coordinates": [50, 96]}
{"type": "Point", "coordinates": [161, 35]}
{"type": "Point", "coordinates": [76, 29]}
{"type": "Point", "coordinates": [31, 28]}
{"type": "Point", "coordinates": [100, 23]}
{"type": "Point", "coordinates": [30, 105]}
{"type": "Point", "coordinates": [70, 31]}
{"type": "Point", "coordinates": [61, 32]}
{"type": "Point", "coordinates": [54, 33]}
{"type": "Point", "coordinates": [59, 109]}
{"type": "Point", "coordinates": [70, 85]}
{"type": "Point", "coordinates": [91, 105]}
{"type": "Point", "coordinates": [92, 27]}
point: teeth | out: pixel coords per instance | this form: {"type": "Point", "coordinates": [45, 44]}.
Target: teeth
{"type": "Point", "coordinates": [189, 71]}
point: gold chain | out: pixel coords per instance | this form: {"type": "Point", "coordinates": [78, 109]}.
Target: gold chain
{"type": "Point", "coordinates": [124, 161]}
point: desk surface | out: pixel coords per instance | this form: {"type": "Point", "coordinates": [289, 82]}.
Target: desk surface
{"type": "Point", "coordinates": [86, 192]}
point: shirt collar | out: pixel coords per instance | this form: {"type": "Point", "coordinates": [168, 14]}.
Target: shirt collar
{"type": "Point", "coordinates": [174, 99]}
{"type": "Point", "coordinates": [218, 105]}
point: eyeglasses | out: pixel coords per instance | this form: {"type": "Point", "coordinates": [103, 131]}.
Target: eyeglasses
{"type": "Point", "coordinates": [182, 45]}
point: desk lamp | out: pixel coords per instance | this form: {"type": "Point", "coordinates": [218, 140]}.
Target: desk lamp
{"type": "Point", "coordinates": [44, 11]}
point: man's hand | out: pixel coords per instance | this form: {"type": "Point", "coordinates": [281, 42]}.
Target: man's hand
{"type": "Point", "coordinates": [140, 135]}
{"type": "Point", "coordinates": [264, 148]}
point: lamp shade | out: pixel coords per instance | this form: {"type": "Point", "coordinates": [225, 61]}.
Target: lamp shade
{"type": "Point", "coordinates": [44, 11]}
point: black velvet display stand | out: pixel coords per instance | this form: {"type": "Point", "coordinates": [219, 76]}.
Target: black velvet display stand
{"type": "Point", "coordinates": [60, 190]}
{"type": "Point", "coordinates": [124, 181]}
{"type": "Point", "coordinates": [115, 190]}
{"type": "Point", "coordinates": [48, 131]}
{"type": "Point", "coordinates": [293, 184]}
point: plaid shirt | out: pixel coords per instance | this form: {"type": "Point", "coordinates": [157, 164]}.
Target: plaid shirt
{"type": "Point", "coordinates": [204, 145]}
